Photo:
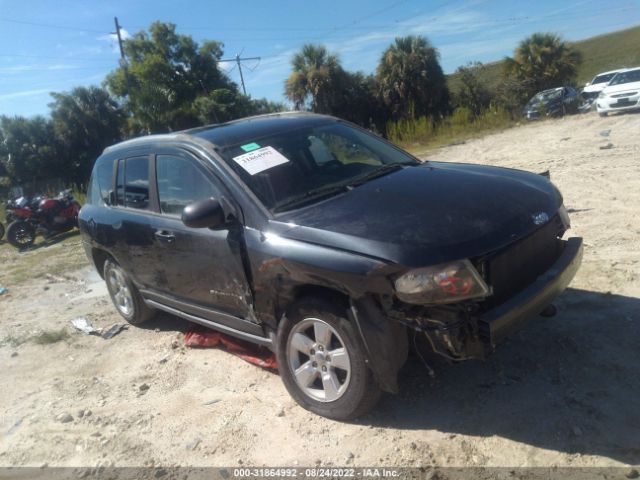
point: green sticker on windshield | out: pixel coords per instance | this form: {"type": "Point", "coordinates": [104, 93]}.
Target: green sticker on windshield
{"type": "Point", "coordinates": [249, 147]}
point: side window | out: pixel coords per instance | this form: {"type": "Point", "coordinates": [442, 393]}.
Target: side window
{"type": "Point", "coordinates": [132, 183]}
{"type": "Point", "coordinates": [181, 182]}
{"type": "Point", "coordinates": [101, 183]}
{"type": "Point", "coordinates": [120, 183]}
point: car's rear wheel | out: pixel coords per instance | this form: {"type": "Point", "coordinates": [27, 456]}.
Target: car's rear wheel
{"type": "Point", "coordinates": [125, 295]}
{"type": "Point", "coordinates": [322, 361]}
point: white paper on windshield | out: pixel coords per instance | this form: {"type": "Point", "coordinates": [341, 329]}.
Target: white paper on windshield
{"type": "Point", "coordinates": [260, 160]}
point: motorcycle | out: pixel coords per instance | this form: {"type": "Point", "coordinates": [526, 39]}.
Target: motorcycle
{"type": "Point", "coordinates": [41, 215]}
{"type": "Point", "coordinates": [19, 207]}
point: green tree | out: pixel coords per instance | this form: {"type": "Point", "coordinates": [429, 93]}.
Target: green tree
{"type": "Point", "coordinates": [541, 61]}
{"type": "Point", "coordinates": [410, 79]}
{"type": "Point", "coordinates": [28, 150]}
{"type": "Point", "coordinates": [359, 102]}
{"type": "Point", "coordinates": [85, 121]}
{"type": "Point", "coordinates": [167, 72]}
{"type": "Point", "coordinates": [226, 104]}
{"type": "Point", "coordinates": [473, 93]}
{"type": "Point", "coordinates": [317, 81]}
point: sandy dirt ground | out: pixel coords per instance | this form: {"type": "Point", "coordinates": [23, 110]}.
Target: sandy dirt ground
{"type": "Point", "coordinates": [565, 391]}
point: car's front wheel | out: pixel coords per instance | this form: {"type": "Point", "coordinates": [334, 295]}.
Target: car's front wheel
{"type": "Point", "coordinates": [322, 361]}
{"type": "Point", "coordinates": [125, 295]}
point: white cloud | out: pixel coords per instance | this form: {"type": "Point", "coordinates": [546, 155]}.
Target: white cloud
{"type": "Point", "coordinates": [112, 39]}
{"type": "Point", "coordinates": [36, 68]}
{"type": "Point", "coordinates": [24, 93]}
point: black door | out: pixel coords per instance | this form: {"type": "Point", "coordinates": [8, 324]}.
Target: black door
{"type": "Point", "coordinates": [199, 266]}
{"type": "Point", "coordinates": [130, 225]}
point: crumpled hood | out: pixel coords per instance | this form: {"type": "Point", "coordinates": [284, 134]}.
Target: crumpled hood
{"type": "Point", "coordinates": [427, 214]}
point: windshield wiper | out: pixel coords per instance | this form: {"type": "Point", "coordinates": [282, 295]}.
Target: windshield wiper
{"type": "Point", "coordinates": [378, 172]}
{"type": "Point", "coordinates": [313, 194]}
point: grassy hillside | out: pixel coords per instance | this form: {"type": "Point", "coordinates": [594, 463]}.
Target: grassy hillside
{"type": "Point", "coordinates": [604, 52]}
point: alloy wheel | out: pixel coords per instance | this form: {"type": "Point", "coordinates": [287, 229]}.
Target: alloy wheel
{"type": "Point", "coordinates": [319, 360]}
{"type": "Point", "coordinates": [121, 293]}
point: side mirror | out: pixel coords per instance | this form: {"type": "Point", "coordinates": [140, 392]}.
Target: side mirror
{"type": "Point", "coordinates": [206, 213]}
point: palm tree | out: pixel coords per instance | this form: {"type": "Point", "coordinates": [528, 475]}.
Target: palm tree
{"type": "Point", "coordinates": [543, 61]}
{"type": "Point", "coordinates": [85, 121]}
{"type": "Point", "coordinates": [411, 80]}
{"type": "Point", "coordinates": [316, 79]}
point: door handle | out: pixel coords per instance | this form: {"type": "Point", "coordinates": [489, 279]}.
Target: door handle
{"type": "Point", "coordinates": [165, 236]}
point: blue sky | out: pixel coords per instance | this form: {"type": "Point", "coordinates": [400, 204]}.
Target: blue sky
{"type": "Point", "coordinates": [53, 46]}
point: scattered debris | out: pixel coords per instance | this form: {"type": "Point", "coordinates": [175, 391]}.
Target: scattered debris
{"type": "Point", "coordinates": [55, 278]}
{"type": "Point", "coordinates": [175, 344]}
{"type": "Point", "coordinates": [14, 427]}
{"type": "Point", "coordinates": [164, 359]}
{"type": "Point", "coordinates": [249, 352]}
{"type": "Point", "coordinates": [608, 146]}
{"type": "Point", "coordinates": [564, 139]}
{"type": "Point", "coordinates": [193, 444]}
{"type": "Point", "coordinates": [14, 354]}
{"type": "Point", "coordinates": [605, 133]}
{"type": "Point", "coordinates": [3, 290]}
{"type": "Point", "coordinates": [64, 418]}
{"type": "Point", "coordinates": [211, 402]}
{"type": "Point", "coordinates": [143, 388]}
{"type": "Point", "coordinates": [82, 324]}
{"type": "Point", "coordinates": [113, 330]}
{"type": "Point", "coordinates": [280, 412]}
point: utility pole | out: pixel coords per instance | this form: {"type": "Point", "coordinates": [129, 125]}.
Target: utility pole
{"type": "Point", "coordinates": [238, 61]}
{"type": "Point", "coordinates": [123, 59]}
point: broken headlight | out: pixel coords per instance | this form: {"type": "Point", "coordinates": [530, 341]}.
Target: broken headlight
{"type": "Point", "coordinates": [445, 283]}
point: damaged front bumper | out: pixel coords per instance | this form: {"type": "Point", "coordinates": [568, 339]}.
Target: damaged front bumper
{"type": "Point", "coordinates": [472, 330]}
{"type": "Point", "coordinates": [503, 320]}
{"type": "Point", "coordinates": [457, 331]}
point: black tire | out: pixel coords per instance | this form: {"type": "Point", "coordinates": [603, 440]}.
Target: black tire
{"type": "Point", "coordinates": [21, 234]}
{"type": "Point", "coordinates": [360, 392]}
{"type": "Point", "coordinates": [124, 295]}
{"type": "Point", "coordinates": [1, 231]}
{"type": "Point", "coordinates": [602, 114]}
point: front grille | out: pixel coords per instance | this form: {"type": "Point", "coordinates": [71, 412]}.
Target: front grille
{"type": "Point", "coordinates": [517, 266]}
{"type": "Point", "coordinates": [622, 95]}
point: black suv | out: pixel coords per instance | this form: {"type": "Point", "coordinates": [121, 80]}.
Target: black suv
{"type": "Point", "coordinates": [328, 245]}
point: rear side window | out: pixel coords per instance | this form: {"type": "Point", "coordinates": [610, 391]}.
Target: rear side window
{"type": "Point", "coordinates": [181, 182]}
{"type": "Point", "coordinates": [101, 184]}
{"type": "Point", "coordinates": [132, 183]}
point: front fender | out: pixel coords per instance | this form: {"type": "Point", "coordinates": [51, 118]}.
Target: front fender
{"type": "Point", "coordinates": [385, 341]}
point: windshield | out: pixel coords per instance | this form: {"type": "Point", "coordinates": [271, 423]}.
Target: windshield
{"type": "Point", "coordinates": [546, 96]}
{"type": "Point", "coordinates": [603, 78]}
{"type": "Point", "coordinates": [626, 77]}
{"type": "Point", "coordinates": [295, 167]}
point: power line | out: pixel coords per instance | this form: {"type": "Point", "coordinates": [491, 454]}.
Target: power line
{"type": "Point", "coordinates": [238, 61]}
